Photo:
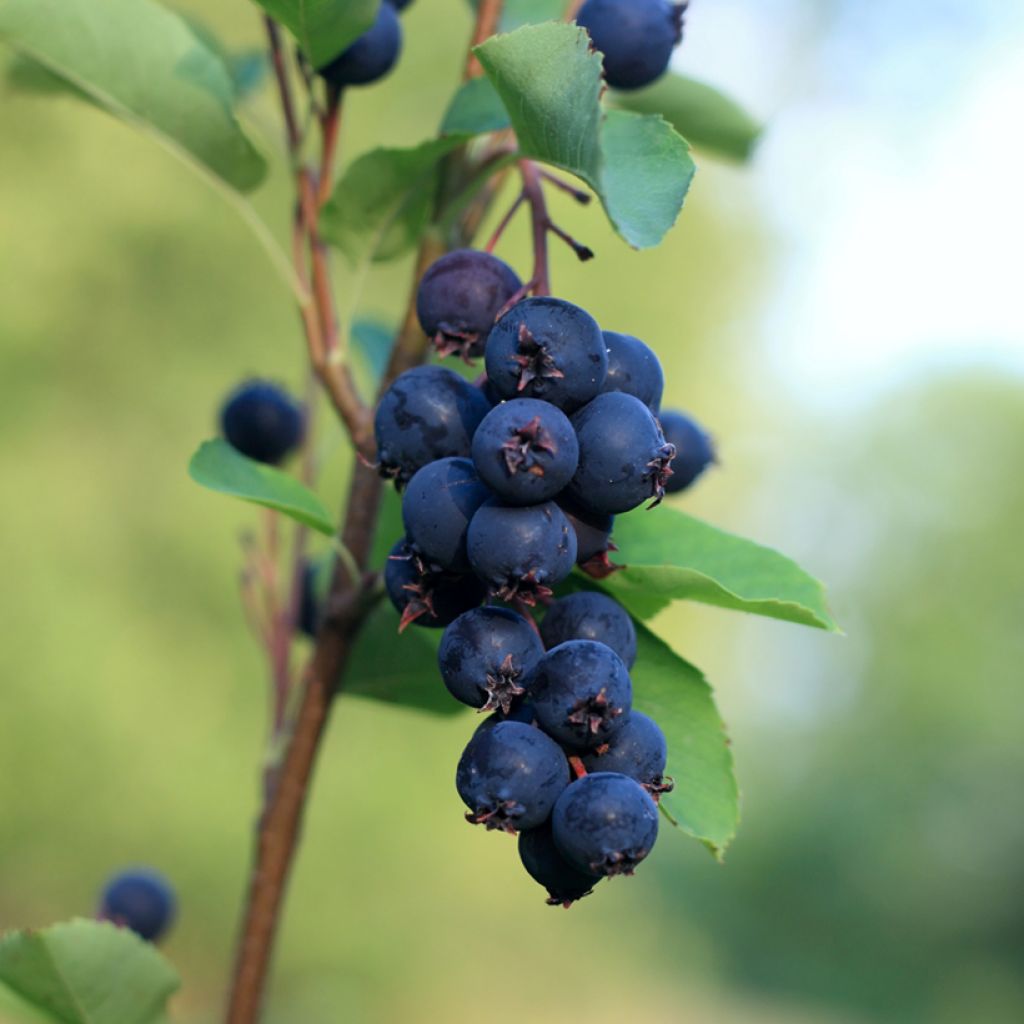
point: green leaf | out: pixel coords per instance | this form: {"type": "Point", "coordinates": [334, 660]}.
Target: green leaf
{"type": "Point", "coordinates": [516, 13]}
{"type": "Point", "coordinates": [86, 972]}
{"type": "Point", "coordinates": [323, 28]}
{"type": "Point", "coordinates": [384, 201]}
{"type": "Point", "coordinates": [24, 74]}
{"type": "Point", "coordinates": [371, 347]}
{"type": "Point", "coordinates": [475, 108]}
{"type": "Point", "coordinates": [705, 117]}
{"type": "Point", "coordinates": [221, 468]}
{"type": "Point", "coordinates": [398, 668]}
{"type": "Point", "coordinates": [550, 83]}
{"type": "Point", "coordinates": [705, 801]}
{"type": "Point", "coordinates": [144, 64]}
{"type": "Point", "coordinates": [671, 556]}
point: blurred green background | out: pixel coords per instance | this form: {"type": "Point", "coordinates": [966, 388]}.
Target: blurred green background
{"type": "Point", "coordinates": [838, 315]}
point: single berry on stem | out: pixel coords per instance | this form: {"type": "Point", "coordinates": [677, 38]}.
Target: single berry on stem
{"type": "Point", "coordinates": [526, 451]}
{"type": "Point", "coordinates": [634, 369]}
{"type": "Point", "coordinates": [486, 657]}
{"type": "Point", "coordinates": [565, 884]}
{"type": "Point", "coordinates": [605, 824]}
{"type": "Point", "coordinates": [371, 56]}
{"type": "Point", "coordinates": [588, 615]}
{"type": "Point", "coordinates": [638, 750]}
{"type": "Point", "coordinates": [424, 594]}
{"type": "Point", "coordinates": [694, 449]}
{"type": "Point", "coordinates": [140, 899]}
{"type": "Point", "coordinates": [510, 776]}
{"type": "Point", "coordinates": [262, 421]}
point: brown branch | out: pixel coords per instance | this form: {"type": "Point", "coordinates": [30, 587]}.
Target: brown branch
{"type": "Point", "coordinates": [488, 16]}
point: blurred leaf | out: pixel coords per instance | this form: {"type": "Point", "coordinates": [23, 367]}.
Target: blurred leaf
{"type": "Point", "coordinates": [550, 83]}
{"type": "Point", "coordinates": [398, 668]}
{"type": "Point", "coordinates": [221, 468]}
{"type": "Point", "coordinates": [516, 13]}
{"type": "Point", "coordinates": [323, 28]}
{"type": "Point", "coordinates": [86, 972]}
{"type": "Point", "coordinates": [24, 74]}
{"type": "Point", "coordinates": [705, 117]}
{"type": "Point", "coordinates": [144, 64]}
{"type": "Point", "coordinates": [670, 556]}
{"type": "Point", "coordinates": [371, 347]}
{"type": "Point", "coordinates": [384, 200]}
{"type": "Point", "coordinates": [475, 108]}
{"type": "Point", "coordinates": [705, 801]}
{"type": "Point", "coordinates": [248, 70]}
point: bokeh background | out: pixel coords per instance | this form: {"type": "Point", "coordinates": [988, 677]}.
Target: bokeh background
{"type": "Point", "coordinates": [844, 314]}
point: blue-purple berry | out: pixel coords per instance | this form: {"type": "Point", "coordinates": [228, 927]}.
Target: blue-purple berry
{"type": "Point", "coordinates": [262, 421]}
{"type": "Point", "coordinates": [588, 615]}
{"type": "Point", "coordinates": [694, 449]}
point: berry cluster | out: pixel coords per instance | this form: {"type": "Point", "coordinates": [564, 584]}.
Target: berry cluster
{"type": "Point", "coordinates": [507, 484]}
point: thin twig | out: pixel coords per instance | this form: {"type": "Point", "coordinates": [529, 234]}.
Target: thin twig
{"type": "Point", "coordinates": [488, 16]}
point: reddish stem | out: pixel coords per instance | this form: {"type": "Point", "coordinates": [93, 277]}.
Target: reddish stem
{"type": "Point", "coordinates": [577, 767]}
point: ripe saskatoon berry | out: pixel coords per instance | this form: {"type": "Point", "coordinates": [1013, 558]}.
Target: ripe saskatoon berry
{"type": "Point", "coordinates": [564, 883]}
{"type": "Point", "coordinates": [486, 657]}
{"type": "Point", "coordinates": [371, 56]}
{"type": "Point", "coordinates": [139, 899]}
{"type": "Point", "coordinates": [437, 506]}
{"type": "Point", "coordinates": [638, 750]}
{"type": "Point", "coordinates": [634, 369]}
{"type": "Point", "coordinates": [590, 616]}
{"type": "Point", "coordinates": [262, 422]}
{"type": "Point", "coordinates": [510, 776]}
{"type": "Point", "coordinates": [605, 823]}
{"type": "Point", "coordinates": [526, 451]}
{"type": "Point", "coordinates": [636, 37]}
{"type": "Point", "coordinates": [581, 694]}
{"type": "Point", "coordinates": [428, 413]}
{"type": "Point", "coordinates": [521, 553]}
{"type": "Point", "coordinates": [593, 532]}
{"type": "Point", "coordinates": [522, 712]}
{"type": "Point", "coordinates": [547, 348]}
{"type": "Point", "coordinates": [424, 594]}
{"type": "Point", "coordinates": [624, 457]}
{"type": "Point", "coordinates": [694, 450]}
{"type": "Point", "coordinates": [459, 297]}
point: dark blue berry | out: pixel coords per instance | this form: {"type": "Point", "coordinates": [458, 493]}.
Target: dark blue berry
{"type": "Point", "coordinates": [605, 823]}
{"type": "Point", "coordinates": [510, 776]}
{"type": "Point", "coordinates": [372, 55]}
{"type": "Point", "coordinates": [547, 348]}
{"type": "Point", "coordinates": [588, 615]}
{"type": "Point", "coordinates": [437, 506]}
{"type": "Point", "coordinates": [593, 531]}
{"type": "Point", "coordinates": [486, 657]}
{"type": "Point", "coordinates": [581, 694]}
{"type": "Point", "coordinates": [564, 883]}
{"type": "Point", "coordinates": [459, 297]}
{"type": "Point", "coordinates": [262, 421]}
{"type": "Point", "coordinates": [425, 594]}
{"type": "Point", "coordinates": [526, 451]}
{"type": "Point", "coordinates": [624, 456]}
{"type": "Point", "coordinates": [694, 450]}
{"type": "Point", "coordinates": [636, 37]}
{"type": "Point", "coordinates": [521, 712]}
{"type": "Point", "coordinates": [428, 413]}
{"type": "Point", "coordinates": [139, 899]}
{"type": "Point", "coordinates": [634, 369]}
{"type": "Point", "coordinates": [399, 5]}
{"type": "Point", "coordinates": [638, 750]}
{"type": "Point", "coordinates": [521, 553]}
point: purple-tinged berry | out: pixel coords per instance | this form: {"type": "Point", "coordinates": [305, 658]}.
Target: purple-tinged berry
{"type": "Point", "coordinates": [139, 899]}
{"type": "Point", "coordinates": [510, 776]}
{"type": "Point", "coordinates": [624, 457]}
{"type": "Point", "coordinates": [262, 421]}
{"type": "Point", "coordinates": [371, 56]}
{"type": "Point", "coordinates": [459, 297]}
{"type": "Point", "coordinates": [424, 594]}
{"type": "Point", "coordinates": [605, 824]}
{"type": "Point", "coordinates": [633, 369]}
{"type": "Point", "coordinates": [638, 750]}
{"type": "Point", "coordinates": [437, 506]}
{"type": "Point", "coordinates": [526, 451]}
{"type": "Point", "coordinates": [547, 348]}
{"type": "Point", "coordinates": [581, 694]}
{"type": "Point", "coordinates": [694, 449]}
{"type": "Point", "coordinates": [521, 553]}
{"type": "Point", "coordinates": [588, 615]}
{"type": "Point", "coordinates": [593, 536]}
{"type": "Point", "coordinates": [486, 657]}
{"type": "Point", "coordinates": [428, 413]}
{"type": "Point", "coordinates": [565, 884]}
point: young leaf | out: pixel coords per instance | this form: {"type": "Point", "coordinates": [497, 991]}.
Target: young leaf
{"type": "Point", "coordinates": [550, 83]}
{"type": "Point", "coordinates": [383, 202]}
{"type": "Point", "coordinates": [398, 669]}
{"type": "Point", "coordinates": [670, 556]}
{"type": "Point", "coordinates": [323, 28]}
{"type": "Point", "coordinates": [142, 63]}
{"type": "Point", "coordinates": [705, 117]}
{"type": "Point", "coordinates": [219, 467]}
{"type": "Point", "coordinates": [86, 972]}
{"type": "Point", "coordinates": [705, 801]}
